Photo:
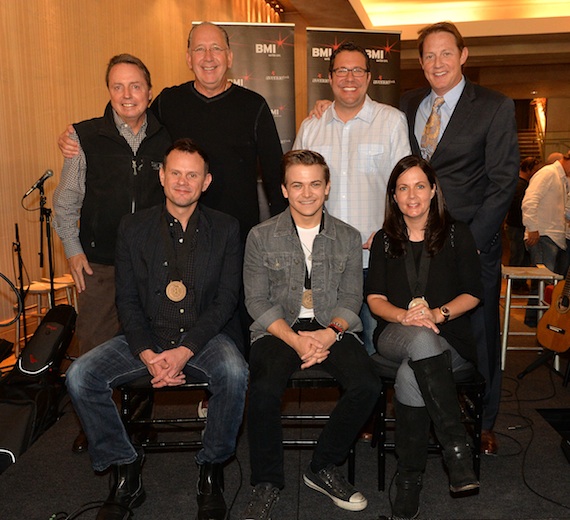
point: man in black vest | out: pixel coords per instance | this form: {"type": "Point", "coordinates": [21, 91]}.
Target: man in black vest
{"type": "Point", "coordinates": [115, 173]}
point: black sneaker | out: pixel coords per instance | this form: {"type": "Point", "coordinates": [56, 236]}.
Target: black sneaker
{"type": "Point", "coordinates": [263, 498]}
{"type": "Point", "coordinates": [331, 483]}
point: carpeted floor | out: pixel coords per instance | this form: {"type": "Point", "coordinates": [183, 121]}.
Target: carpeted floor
{"type": "Point", "coordinates": [529, 479]}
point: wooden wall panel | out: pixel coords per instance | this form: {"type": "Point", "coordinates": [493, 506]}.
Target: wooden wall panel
{"type": "Point", "coordinates": [53, 55]}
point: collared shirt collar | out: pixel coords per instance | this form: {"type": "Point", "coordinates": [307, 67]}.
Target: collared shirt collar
{"type": "Point", "coordinates": [451, 97]}
{"type": "Point", "coordinates": [365, 113]}
{"type": "Point", "coordinates": [123, 127]}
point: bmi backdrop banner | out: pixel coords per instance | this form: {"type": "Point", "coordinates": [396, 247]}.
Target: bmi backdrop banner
{"type": "Point", "coordinates": [383, 48]}
{"type": "Point", "coordinates": [264, 62]}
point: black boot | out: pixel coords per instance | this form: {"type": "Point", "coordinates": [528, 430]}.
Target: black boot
{"type": "Point", "coordinates": [412, 434]}
{"type": "Point", "coordinates": [127, 491]}
{"type": "Point", "coordinates": [211, 504]}
{"type": "Point", "coordinates": [435, 380]}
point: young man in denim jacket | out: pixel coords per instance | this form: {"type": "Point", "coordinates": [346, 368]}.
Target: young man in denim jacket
{"type": "Point", "coordinates": [303, 289]}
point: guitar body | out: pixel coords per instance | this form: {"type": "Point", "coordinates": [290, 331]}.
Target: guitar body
{"type": "Point", "coordinates": [553, 330]}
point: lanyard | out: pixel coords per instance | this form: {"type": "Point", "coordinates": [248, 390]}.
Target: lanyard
{"type": "Point", "coordinates": [417, 278]}
{"type": "Point", "coordinates": [307, 274]}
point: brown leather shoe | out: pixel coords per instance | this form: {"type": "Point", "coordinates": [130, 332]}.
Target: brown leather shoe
{"type": "Point", "coordinates": [80, 443]}
{"type": "Point", "coordinates": [489, 444]}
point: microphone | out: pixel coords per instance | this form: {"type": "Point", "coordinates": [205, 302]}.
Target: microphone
{"type": "Point", "coordinates": [39, 182]}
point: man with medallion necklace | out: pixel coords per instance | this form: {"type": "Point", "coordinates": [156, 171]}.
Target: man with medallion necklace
{"type": "Point", "coordinates": [303, 289]}
{"type": "Point", "coordinates": [178, 275]}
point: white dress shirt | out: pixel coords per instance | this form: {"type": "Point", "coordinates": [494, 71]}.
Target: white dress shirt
{"type": "Point", "coordinates": [544, 202]}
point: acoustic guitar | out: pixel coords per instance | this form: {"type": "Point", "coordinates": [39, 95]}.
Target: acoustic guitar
{"type": "Point", "coordinates": [553, 330]}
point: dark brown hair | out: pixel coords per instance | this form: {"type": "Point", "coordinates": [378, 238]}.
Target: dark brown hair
{"type": "Point", "coordinates": [448, 27]}
{"type": "Point", "coordinates": [438, 222]}
{"type": "Point", "coordinates": [305, 157]}
{"type": "Point", "coordinates": [131, 60]}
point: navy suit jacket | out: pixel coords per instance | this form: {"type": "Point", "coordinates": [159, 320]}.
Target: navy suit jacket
{"type": "Point", "coordinates": [142, 276]}
{"type": "Point", "coordinates": [477, 158]}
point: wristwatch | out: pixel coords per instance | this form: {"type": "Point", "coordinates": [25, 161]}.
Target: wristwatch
{"type": "Point", "coordinates": [445, 312]}
{"type": "Point", "coordinates": [337, 328]}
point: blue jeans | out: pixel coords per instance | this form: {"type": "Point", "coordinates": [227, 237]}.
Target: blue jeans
{"type": "Point", "coordinates": [92, 377]}
{"type": "Point", "coordinates": [546, 252]}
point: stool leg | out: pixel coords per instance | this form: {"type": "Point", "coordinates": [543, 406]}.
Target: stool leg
{"type": "Point", "coordinates": [506, 321]}
{"type": "Point", "coordinates": [379, 438]}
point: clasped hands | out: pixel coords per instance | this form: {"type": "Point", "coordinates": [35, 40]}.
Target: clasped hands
{"type": "Point", "coordinates": [313, 346]}
{"type": "Point", "coordinates": [420, 316]}
{"type": "Point", "coordinates": [167, 367]}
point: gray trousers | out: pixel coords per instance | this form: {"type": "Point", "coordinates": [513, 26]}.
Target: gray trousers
{"type": "Point", "coordinates": [399, 343]}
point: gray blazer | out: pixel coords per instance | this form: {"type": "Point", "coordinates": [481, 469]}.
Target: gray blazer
{"type": "Point", "coordinates": [274, 273]}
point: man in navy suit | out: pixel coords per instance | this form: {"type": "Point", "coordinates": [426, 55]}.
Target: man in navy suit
{"type": "Point", "coordinates": [477, 162]}
{"type": "Point", "coordinates": [178, 277]}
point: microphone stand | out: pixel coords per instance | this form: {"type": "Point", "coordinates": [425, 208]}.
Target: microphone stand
{"type": "Point", "coordinates": [18, 251]}
{"type": "Point", "coordinates": [45, 213]}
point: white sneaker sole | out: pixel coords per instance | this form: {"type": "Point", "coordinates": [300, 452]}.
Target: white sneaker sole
{"type": "Point", "coordinates": [343, 504]}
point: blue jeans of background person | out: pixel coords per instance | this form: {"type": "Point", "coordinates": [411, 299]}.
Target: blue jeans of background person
{"type": "Point", "coordinates": [92, 377]}
{"type": "Point", "coordinates": [546, 252]}
{"type": "Point", "coordinates": [271, 363]}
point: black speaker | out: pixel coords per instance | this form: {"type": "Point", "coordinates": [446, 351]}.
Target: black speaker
{"type": "Point", "coordinates": [49, 342]}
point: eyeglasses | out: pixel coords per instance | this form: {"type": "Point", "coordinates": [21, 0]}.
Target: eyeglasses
{"type": "Point", "coordinates": [357, 72]}
{"type": "Point", "coordinates": [214, 49]}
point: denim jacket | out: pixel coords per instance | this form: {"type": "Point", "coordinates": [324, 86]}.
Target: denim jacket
{"type": "Point", "coordinates": [274, 273]}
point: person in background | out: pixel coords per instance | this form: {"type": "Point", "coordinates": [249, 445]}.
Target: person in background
{"type": "Point", "coordinates": [544, 217]}
{"type": "Point", "coordinates": [114, 173]}
{"type": "Point", "coordinates": [513, 222]}
{"type": "Point", "coordinates": [543, 213]}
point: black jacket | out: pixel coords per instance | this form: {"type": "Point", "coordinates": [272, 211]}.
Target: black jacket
{"type": "Point", "coordinates": [142, 276]}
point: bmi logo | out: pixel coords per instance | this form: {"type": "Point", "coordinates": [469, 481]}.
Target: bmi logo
{"type": "Point", "coordinates": [325, 53]}
{"type": "Point", "coordinates": [265, 48]}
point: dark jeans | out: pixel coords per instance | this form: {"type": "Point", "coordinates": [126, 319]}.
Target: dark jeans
{"type": "Point", "coordinates": [271, 364]}
{"type": "Point", "coordinates": [92, 377]}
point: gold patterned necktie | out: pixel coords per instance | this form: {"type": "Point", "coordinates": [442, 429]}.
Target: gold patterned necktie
{"type": "Point", "coordinates": [431, 130]}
